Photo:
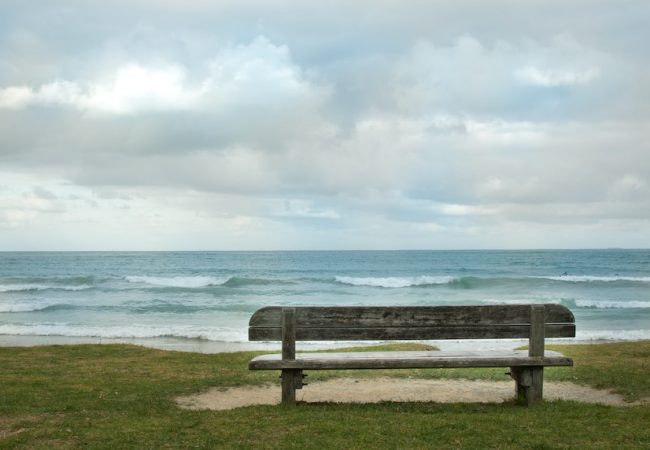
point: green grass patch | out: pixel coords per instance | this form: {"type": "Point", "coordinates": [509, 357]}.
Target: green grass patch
{"type": "Point", "coordinates": [121, 396]}
{"type": "Point", "coordinates": [623, 367]}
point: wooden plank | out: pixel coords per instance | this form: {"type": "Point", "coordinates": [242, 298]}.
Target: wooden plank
{"type": "Point", "coordinates": [404, 333]}
{"type": "Point", "coordinates": [419, 354]}
{"type": "Point", "coordinates": [536, 337]}
{"type": "Point", "coordinates": [288, 333]}
{"type": "Point", "coordinates": [411, 316]}
{"type": "Point", "coordinates": [325, 361]}
{"type": "Point", "coordinates": [408, 364]}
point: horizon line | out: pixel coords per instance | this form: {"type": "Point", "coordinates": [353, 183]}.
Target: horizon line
{"type": "Point", "coordinates": [333, 250]}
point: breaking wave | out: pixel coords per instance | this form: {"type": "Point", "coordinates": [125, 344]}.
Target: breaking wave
{"type": "Point", "coordinates": [395, 282]}
{"type": "Point", "coordinates": [474, 282]}
{"type": "Point", "coordinates": [128, 331]}
{"type": "Point", "coordinates": [182, 282]}
{"type": "Point", "coordinates": [193, 282]}
{"type": "Point", "coordinates": [593, 278]}
{"type": "Point", "coordinates": [41, 287]}
{"type": "Point", "coordinates": [605, 304]}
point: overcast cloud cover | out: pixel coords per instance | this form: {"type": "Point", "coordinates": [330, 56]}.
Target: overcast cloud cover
{"type": "Point", "coordinates": [196, 124]}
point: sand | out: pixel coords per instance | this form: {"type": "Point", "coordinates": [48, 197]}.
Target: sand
{"type": "Point", "coordinates": [350, 390]}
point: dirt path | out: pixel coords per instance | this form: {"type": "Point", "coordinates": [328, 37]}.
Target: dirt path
{"type": "Point", "coordinates": [348, 390]}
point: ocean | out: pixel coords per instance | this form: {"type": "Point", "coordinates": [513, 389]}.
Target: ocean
{"type": "Point", "coordinates": [209, 296]}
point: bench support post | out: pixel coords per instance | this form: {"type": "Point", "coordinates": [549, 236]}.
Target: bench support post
{"type": "Point", "coordinates": [291, 378]}
{"type": "Point", "coordinates": [529, 380]}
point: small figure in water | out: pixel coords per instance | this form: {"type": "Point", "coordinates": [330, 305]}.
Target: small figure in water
{"type": "Point", "coordinates": [565, 274]}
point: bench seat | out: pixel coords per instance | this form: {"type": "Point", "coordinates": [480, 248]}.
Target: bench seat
{"type": "Point", "coordinates": [407, 360]}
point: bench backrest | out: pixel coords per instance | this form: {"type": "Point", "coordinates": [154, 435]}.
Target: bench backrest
{"type": "Point", "coordinates": [411, 322]}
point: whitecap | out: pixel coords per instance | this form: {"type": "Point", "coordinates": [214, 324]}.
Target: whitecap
{"type": "Point", "coordinates": [137, 331]}
{"type": "Point", "coordinates": [594, 278]}
{"type": "Point", "coordinates": [22, 307]}
{"type": "Point", "coordinates": [605, 304]}
{"type": "Point", "coordinates": [41, 287]}
{"type": "Point", "coordinates": [519, 301]}
{"type": "Point", "coordinates": [181, 282]}
{"type": "Point", "coordinates": [395, 282]}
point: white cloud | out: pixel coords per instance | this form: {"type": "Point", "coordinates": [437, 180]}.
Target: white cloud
{"type": "Point", "coordinates": [474, 77]}
{"type": "Point", "coordinates": [15, 97]}
{"type": "Point", "coordinates": [138, 88]}
{"type": "Point", "coordinates": [465, 210]}
{"type": "Point", "coordinates": [302, 209]}
{"type": "Point", "coordinates": [556, 77]}
{"type": "Point", "coordinates": [133, 88]}
{"type": "Point", "coordinates": [259, 73]}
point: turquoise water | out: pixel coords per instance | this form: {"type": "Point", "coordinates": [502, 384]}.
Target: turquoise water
{"type": "Point", "coordinates": [211, 295]}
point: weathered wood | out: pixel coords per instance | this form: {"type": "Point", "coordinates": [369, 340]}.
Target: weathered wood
{"type": "Point", "coordinates": [289, 386]}
{"type": "Point", "coordinates": [407, 333]}
{"type": "Point", "coordinates": [536, 337]}
{"type": "Point", "coordinates": [397, 323]}
{"type": "Point", "coordinates": [405, 360]}
{"type": "Point", "coordinates": [289, 353]}
{"type": "Point", "coordinates": [410, 354]}
{"type": "Point", "coordinates": [522, 381]}
{"type": "Point", "coordinates": [288, 333]}
{"type": "Point", "coordinates": [534, 392]}
{"type": "Point", "coordinates": [413, 323]}
{"type": "Point", "coordinates": [409, 316]}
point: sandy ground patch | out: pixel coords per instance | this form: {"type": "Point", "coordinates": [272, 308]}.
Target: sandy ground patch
{"type": "Point", "coordinates": [349, 390]}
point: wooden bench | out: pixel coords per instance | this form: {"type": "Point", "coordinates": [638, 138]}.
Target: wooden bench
{"type": "Point", "coordinates": [534, 322]}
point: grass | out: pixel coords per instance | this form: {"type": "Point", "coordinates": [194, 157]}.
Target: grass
{"type": "Point", "coordinates": [120, 396]}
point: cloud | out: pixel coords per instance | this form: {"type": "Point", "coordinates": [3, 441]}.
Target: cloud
{"type": "Point", "coordinates": [390, 129]}
{"type": "Point", "coordinates": [15, 97]}
{"type": "Point", "coordinates": [258, 74]}
{"type": "Point", "coordinates": [133, 89]}
{"type": "Point", "coordinates": [302, 209]}
{"type": "Point", "coordinates": [556, 77]}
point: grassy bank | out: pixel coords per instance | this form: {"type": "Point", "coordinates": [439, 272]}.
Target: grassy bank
{"type": "Point", "coordinates": [119, 396]}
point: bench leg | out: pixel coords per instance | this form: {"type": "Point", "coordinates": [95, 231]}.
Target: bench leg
{"type": "Point", "coordinates": [536, 387]}
{"type": "Point", "coordinates": [520, 389]}
{"type": "Point", "coordinates": [529, 384]}
{"type": "Point", "coordinates": [291, 380]}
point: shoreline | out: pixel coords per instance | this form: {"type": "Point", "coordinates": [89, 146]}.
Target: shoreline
{"type": "Point", "coordinates": [206, 346]}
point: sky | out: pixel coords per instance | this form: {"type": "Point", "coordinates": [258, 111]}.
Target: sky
{"type": "Point", "coordinates": [292, 125]}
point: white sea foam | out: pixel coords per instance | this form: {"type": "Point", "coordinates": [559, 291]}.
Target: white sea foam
{"type": "Point", "coordinates": [41, 287]}
{"type": "Point", "coordinates": [593, 278]}
{"type": "Point", "coordinates": [519, 301]}
{"type": "Point", "coordinates": [598, 304]}
{"type": "Point", "coordinates": [612, 335]}
{"type": "Point", "coordinates": [182, 282]}
{"type": "Point", "coordinates": [22, 307]}
{"type": "Point", "coordinates": [395, 282]}
{"type": "Point", "coordinates": [129, 331]}
{"type": "Point", "coordinates": [608, 304]}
